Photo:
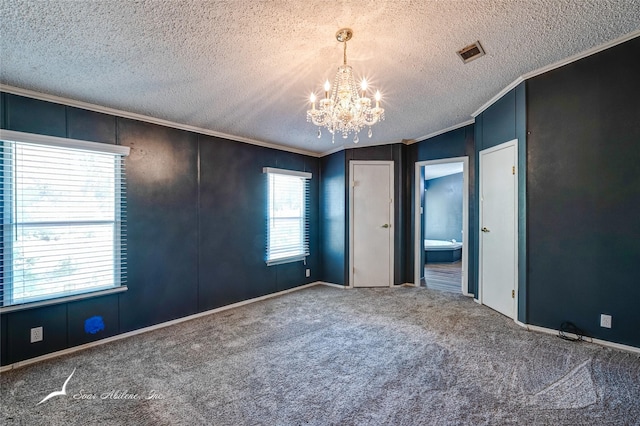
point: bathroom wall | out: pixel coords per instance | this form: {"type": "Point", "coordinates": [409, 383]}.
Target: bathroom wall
{"type": "Point", "coordinates": [443, 208]}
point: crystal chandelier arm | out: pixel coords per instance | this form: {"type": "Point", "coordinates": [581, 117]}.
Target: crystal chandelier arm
{"type": "Point", "coordinates": [371, 120]}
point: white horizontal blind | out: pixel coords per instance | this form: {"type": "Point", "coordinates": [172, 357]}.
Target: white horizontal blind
{"type": "Point", "coordinates": [63, 221]}
{"type": "Point", "coordinates": [287, 216]}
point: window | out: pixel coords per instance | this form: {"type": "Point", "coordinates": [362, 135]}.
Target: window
{"type": "Point", "coordinates": [63, 217]}
{"type": "Point", "coordinates": [287, 222]}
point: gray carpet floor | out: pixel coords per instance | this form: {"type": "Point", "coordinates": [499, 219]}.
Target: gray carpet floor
{"type": "Point", "coordinates": [325, 356]}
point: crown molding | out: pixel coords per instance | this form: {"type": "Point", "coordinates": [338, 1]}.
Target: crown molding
{"type": "Point", "coordinates": [332, 151]}
{"type": "Point", "coordinates": [153, 120]}
{"type": "Point", "coordinates": [582, 55]}
{"type": "Point", "coordinates": [148, 119]}
{"type": "Point", "coordinates": [439, 132]}
{"type": "Point", "coordinates": [555, 65]}
{"type": "Point", "coordinates": [497, 97]}
{"type": "Point", "coordinates": [342, 147]}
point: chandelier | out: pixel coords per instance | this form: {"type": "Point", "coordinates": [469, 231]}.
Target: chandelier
{"type": "Point", "coordinates": [345, 109]}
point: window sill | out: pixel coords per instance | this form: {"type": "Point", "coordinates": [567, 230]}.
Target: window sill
{"type": "Point", "coordinates": [65, 299]}
{"type": "Point", "coordinates": [298, 258]}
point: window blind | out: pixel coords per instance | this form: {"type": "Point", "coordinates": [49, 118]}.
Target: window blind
{"type": "Point", "coordinates": [287, 215]}
{"type": "Point", "coordinates": [63, 218]}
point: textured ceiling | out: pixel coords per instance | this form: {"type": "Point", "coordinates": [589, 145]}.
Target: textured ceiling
{"type": "Point", "coordinates": [434, 171]}
{"type": "Point", "coordinates": [246, 68]}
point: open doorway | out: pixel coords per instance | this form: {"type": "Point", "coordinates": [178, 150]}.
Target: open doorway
{"type": "Point", "coordinates": [441, 218]}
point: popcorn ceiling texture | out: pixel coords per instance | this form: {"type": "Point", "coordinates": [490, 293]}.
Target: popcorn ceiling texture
{"type": "Point", "coordinates": [246, 68]}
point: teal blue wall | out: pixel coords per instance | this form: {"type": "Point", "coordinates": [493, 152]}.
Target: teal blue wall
{"type": "Point", "coordinates": [333, 218]}
{"type": "Point", "coordinates": [397, 154]}
{"type": "Point", "coordinates": [578, 132]}
{"type": "Point", "coordinates": [196, 227]}
{"type": "Point", "coordinates": [583, 193]}
{"type": "Point", "coordinates": [334, 210]}
{"type": "Point", "coordinates": [504, 121]}
{"type": "Point", "coordinates": [456, 143]}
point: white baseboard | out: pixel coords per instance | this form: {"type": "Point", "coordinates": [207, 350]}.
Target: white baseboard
{"type": "Point", "coordinates": [150, 328]}
{"type": "Point", "coordinates": [67, 351]}
{"type": "Point", "coordinates": [614, 345]}
{"type": "Point", "coordinates": [349, 287]}
{"type": "Point", "coordinates": [332, 285]}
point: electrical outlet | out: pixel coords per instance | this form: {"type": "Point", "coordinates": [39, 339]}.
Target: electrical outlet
{"type": "Point", "coordinates": [36, 334]}
{"type": "Point", "coordinates": [605, 321]}
{"type": "Point", "coordinates": [307, 273]}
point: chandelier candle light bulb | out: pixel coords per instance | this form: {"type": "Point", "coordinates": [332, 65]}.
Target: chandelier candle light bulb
{"type": "Point", "coordinates": [363, 86]}
{"type": "Point", "coordinates": [342, 110]}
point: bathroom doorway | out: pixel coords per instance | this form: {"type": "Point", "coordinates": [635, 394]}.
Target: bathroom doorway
{"type": "Point", "coordinates": [441, 219]}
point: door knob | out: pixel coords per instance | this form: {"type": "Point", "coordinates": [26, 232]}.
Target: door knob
{"type": "Point", "coordinates": [386, 225]}
{"type": "Point", "coordinates": [485, 229]}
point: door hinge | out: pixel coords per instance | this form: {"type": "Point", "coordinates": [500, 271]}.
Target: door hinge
{"type": "Point", "coordinates": [513, 294]}
{"type": "Point", "coordinates": [513, 170]}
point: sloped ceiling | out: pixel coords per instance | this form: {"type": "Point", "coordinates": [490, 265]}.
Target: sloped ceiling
{"type": "Point", "coordinates": [434, 171]}
{"type": "Point", "coordinates": [246, 68]}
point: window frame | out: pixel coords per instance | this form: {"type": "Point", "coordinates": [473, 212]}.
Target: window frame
{"type": "Point", "coordinates": [304, 244]}
{"type": "Point", "coordinates": [7, 236]}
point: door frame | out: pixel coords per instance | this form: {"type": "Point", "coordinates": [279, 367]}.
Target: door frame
{"type": "Point", "coordinates": [391, 217]}
{"type": "Point", "coordinates": [481, 154]}
{"type": "Point", "coordinates": [418, 217]}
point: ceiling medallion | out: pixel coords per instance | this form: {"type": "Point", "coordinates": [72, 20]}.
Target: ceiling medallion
{"type": "Point", "coordinates": [345, 108]}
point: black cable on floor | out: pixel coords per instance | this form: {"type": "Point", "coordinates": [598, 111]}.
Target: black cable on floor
{"type": "Point", "coordinates": [569, 327]}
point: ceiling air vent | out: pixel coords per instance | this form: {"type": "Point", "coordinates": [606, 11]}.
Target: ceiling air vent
{"type": "Point", "coordinates": [471, 52]}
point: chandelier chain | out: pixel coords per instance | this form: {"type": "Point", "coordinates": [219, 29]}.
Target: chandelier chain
{"type": "Point", "coordinates": [345, 53]}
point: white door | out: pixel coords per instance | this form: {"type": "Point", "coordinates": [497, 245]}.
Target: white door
{"type": "Point", "coordinates": [498, 228]}
{"type": "Point", "coordinates": [371, 223]}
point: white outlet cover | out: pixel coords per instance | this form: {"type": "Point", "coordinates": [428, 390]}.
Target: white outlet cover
{"type": "Point", "coordinates": [308, 273]}
{"type": "Point", "coordinates": [605, 321]}
{"type": "Point", "coordinates": [36, 334]}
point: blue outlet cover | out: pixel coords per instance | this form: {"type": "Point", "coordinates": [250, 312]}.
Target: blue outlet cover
{"type": "Point", "coordinates": [93, 325]}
